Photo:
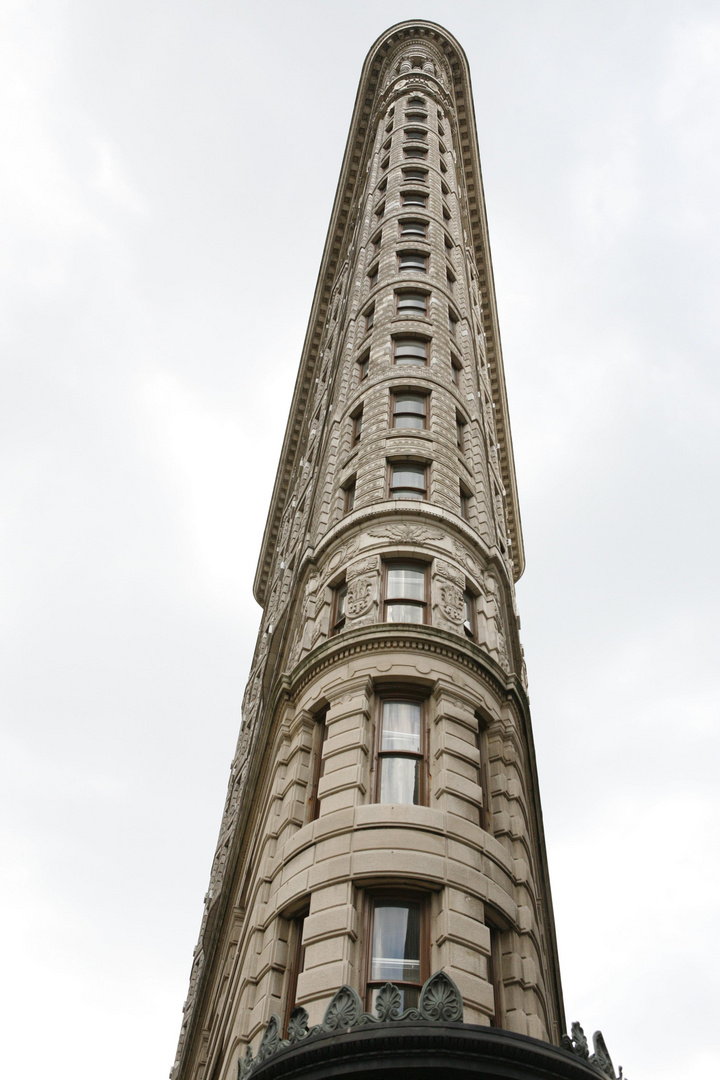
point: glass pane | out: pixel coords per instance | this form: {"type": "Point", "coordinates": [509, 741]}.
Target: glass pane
{"type": "Point", "coordinates": [405, 613]}
{"type": "Point", "coordinates": [399, 783]}
{"type": "Point", "coordinates": [402, 420]}
{"type": "Point", "coordinates": [340, 607]}
{"type": "Point", "coordinates": [406, 493]}
{"type": "Point", "coordinates": [401, 726]}
{"type": "Point", "coordinates": [406, 582]}
{"type": "Point", "coordinates": [412, 302]}
{"type": "Point", "coordinates": [408, 476]}
{"type": "Point", "coordinates": [412, 403]}
{"type": "Point", "coordinates": [410, 350]}
{"type": "Point", "coordinates": [396, 942]}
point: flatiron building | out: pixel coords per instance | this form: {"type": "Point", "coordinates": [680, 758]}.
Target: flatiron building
{"type": "Point", "coordinates": [379, 899]}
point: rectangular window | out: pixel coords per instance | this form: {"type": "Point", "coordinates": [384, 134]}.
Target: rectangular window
{"type": "Point", "coordinates": [470, 601]}
{"type": "Point", "coordinates": [318, 744]}
{"type": "Point", "coordinates": [363, 366]}
{"type": "Point", "coordinates": [349, 496]}
{"type": "Point", "coordinates": [415, 118]}
{"type": "Point", "coordinates": [400, 753]}
{"type": "Point", "coordinates": [375, 243]}
{"type": "Point", "coordinates": [373, 275]}
{"type": "Point", "coordinates": [411, 351]}
{"type": "Point", "coordinates": [399, 948]}
{"type": "Point", "coordinates": [409, 410]}
{"type": "Point", "coordinates": [464, 503]}
{"type": "Point", "coordinates": [495, 975]}
{"type": "Point", "coordinates": [408, 481]}
{"type": "Point", "coordinates": [413, 228]}
{"type": "Point", "coordinates": [413, 173]}
{"type": "Point", "coordinates": [380, 210]}
{"type": "Point", "coordinates": [415, 152]}
{"type": "Point", "coordinates": [296, 963]}
{"type": "Point", "coordinates": [369, 318]}
{"type": "Point", "coordinates": [414, 198]}
{"type": "Point", "coordinates": [452, 323]}
{"type": "Point", "coordinates": [357, 420]}
{"type": "Point", "coordinates": [413, 261]}
{"type": "Point", "coordinates": [416, 134]}
{"type": "Point", "coordinates": [385, 164]}
{"type": "Point", "coordinates": [461, 424]}
{"type": "Point", "coordinates": [416, 103]}
{"type": "Point", "coordinates": [446, 211]}
{"type": "Point", "coordinates": [405, 599]}
{"type": "Point", "coordinates": [337, 614]}
{"type": "Point", "coordinates": [450, 278]}
{"type": "Point", "coordinates": [456, 368]}
{"type": "Point", "coordinates": [411, 303]}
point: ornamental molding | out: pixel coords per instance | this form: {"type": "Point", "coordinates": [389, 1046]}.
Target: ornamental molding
{"type": "Point", "coordinates": [440, 1001]}
{"type": "Point", "coordinates": [577, 1044]}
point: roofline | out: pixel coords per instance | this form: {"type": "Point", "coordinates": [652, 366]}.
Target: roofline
{"type": "Point", "coordinates": [338, 237]}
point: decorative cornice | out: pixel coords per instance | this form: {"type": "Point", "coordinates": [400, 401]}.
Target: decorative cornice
{"type": "Point", "coordinates": [340, 231]}
{"type": "Point", "coordinates": [440, 1000]}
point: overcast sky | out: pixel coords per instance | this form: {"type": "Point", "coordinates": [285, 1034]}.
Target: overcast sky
{"type": "Point", "coordinates": [168, 171]}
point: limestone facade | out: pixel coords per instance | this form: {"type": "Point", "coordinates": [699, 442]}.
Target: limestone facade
{"type": "Point", "coordinates": [387, 578]}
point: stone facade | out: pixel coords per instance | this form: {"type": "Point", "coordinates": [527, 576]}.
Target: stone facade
{"type": "Point", "coordinates": [397, 464]}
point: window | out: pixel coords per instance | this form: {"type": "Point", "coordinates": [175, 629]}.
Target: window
{"type": "Point", "coordinates": [448, 242]}
{"type": "Point", "coordinates": [413, 261]}
{"type": "Point", "coordinates": [357, 420]}
{"type": "Point", "coordinates": [411, 351]}
{"type": "Point", "coordinates": [452, 322]}
{"type": "Point", "coordinates": [446, 211]}
{"type": "Point", "coordinates": [296, 962]}
{"type": "Point", "coordinates": [450, 278]}
{"type": "Point", "coordinates": [456, 368]}
{"type": "Point", "coordinates": [443, 147]}
{"type": "Point", "coordinates": [337, 614]}
{"type": "Point", "coordinates": [415, 118]}
{"type": "Point", "coordinates": [444, 188]}
{"type": "Point", "coordinates": [373, 275]}
{"type": "Point", "coordinates": [382, 186]}
{"type": "Point", "coordinates": [412, 173]}
{"type": "Point", "coordinates": [469, 624]}
{"type": "Point", "coordinates": [413, 228]}
{"type": "Point", "coordinates": [415, 152]}
{"type": "Point", "coordinates": [405, 592]}
{"type": "Point", "coordinates": [416, 103]}
{"type": "Point", "coordinates": [443, 166]}
{"type": "Point", "coordinates": [385, 164]}
{"type": "Point", "coordinates": [409, 410]}
{"type": "Point", "coordinates": [400, 752]}
{"type": "Point", "coordinates": [369, 318]}
{"type": "Point", "coordinates": [408, 481]}
{"type": "Point", "coordinates": [411, 303]}
{"type": "Point", "coordinates": [495, 974]}
{"type": "Point", "coordinates": [380, 210]}
{"type": "Point", "coordinates": [415, 133]}
{"type": "Point", "coordinates": [318, 744]}
{"type": "Point", "coordinates": [375, 243]}
{"type": "Point", "coordinates": [399, 947]}
{"type": "Point", "coordinates": [460, 424]}
{"type": "Point", "coordinates": [414, 198]}
{"type": "Point", "coordinates": [464, 503]}
{"type": "Point", "coordinates": [349, 496]}
{"type": "Point", "coordinates": [363, 366]}
{"type": "Point", "coordinates": [441, 129]}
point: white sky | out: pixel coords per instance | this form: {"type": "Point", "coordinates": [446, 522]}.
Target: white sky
{"type": "Point", "coordinates": [168, 174]}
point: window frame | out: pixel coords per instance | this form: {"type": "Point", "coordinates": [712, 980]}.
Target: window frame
{"type": "Point", "coordinates": [406, 339]}
{"type": "Point", "coordinates": [470, 624]}
{"type": "Point", "coordinates": [461, 424]}
{"type": "Point", "coordinates": [408, 311]}
{"type": "Point", "coordinates": [337, 622]}
{"type": "Point", "coordinates": [413, 227]}
{"type": "Point", "coordinates": [296, 961]}
{"type": "Point", "coordinates": [404, 694]}
{"type": "Point", "coordinates": [357, 422]}
{"type": "Point", "coordinates": [392, 463]}
{"type": "Point", "coordinates": [465, 497]}
{"type": "Point", "coordinates": [423, 605]}
{"type": "Point", "coordinates": [373, 275]}
{"type": "Point", "coordinates": [412, 269]}
{"type": "Point", "coordinates": [400, 895]}
{"type": "Point", "coordinates": [363, 365]}
{"type": "Point", "coordinates": [397, 391]}
{"type": "Point", "coordinates": [369, 317]}
{"type": "Point", "coordinates": [348, 490]}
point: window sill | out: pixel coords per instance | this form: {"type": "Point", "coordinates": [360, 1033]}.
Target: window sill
{"type": "Point", "coordinates": [412, 433]}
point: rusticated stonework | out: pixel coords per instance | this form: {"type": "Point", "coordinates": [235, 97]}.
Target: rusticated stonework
{"type": "Point", "coordinates": [404, 312]}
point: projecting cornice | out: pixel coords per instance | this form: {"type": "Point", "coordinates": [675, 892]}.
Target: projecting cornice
{"type": "Point", "coordinates": [372, 89]}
